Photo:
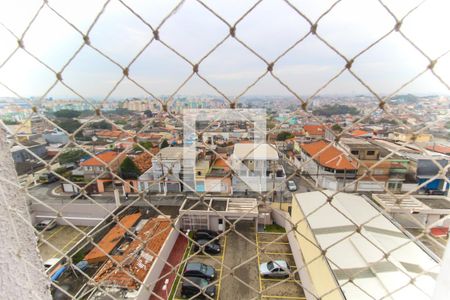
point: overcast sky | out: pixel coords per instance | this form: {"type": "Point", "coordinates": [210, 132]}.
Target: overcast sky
{"type": "Point", "coordinates": [269, 29]}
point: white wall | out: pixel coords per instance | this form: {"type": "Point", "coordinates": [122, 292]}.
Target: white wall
{"type": "Point", "coordinates": [154, 273]}
{"type": "Point", "coordinates": [281, 218]}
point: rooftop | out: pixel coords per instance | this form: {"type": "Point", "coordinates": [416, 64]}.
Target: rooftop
{"type": "Point", "coordinates": [137, 258]}
{"type": "Point", "coordinates": [359, 256]}
{"type": "Point", "coordinates": [255, 151]}
{"type": "Point", "coordinates": [175, 153]}
{"type": "Point", "coordinates": [439, 149]}
{"type": "Point", "coordinates": [314, 129]}
{"type": "Point", "coordinates": [330, 157]}
{"type": "Point", "coordinates": [101, 158]}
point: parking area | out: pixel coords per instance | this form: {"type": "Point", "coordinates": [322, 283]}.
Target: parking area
{"type": "Point", "coordinates": [213, 260]}
{"type": "Point", "coordinates": [62, 238]}
{"type": "Point", "coordinates": [275, 246]}
{"type": "Point", "coordinates": [237, 266]}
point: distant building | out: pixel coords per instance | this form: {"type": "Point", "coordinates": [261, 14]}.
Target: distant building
{"type": "Point", "coordinates": [56, 137]}
{"type": "Point", "coordinates": [408, 137]}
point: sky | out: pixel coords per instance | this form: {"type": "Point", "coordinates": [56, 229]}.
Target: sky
{"type": "Point", "coordinates": [269, 29]}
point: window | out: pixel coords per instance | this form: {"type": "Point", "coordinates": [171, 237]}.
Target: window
{"type": "Point", "coordinates": [370, 152]}
{"type": "Point", "coordinates": [355, 152]}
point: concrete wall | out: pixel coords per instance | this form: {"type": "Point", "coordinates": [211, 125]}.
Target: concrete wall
{"type": "Point", "coordinates": [78, 214]}
{"type": "Point", "coordinates": [318, 270]}
{"type": "Point", "coordinates": [279, 218]}
{"type": "Point", "coordinates": [154, 273]}
{"type": "Point", "coordinates": [22, 273]}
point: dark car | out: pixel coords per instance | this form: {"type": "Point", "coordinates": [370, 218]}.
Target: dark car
{"type": "Point", "coordinates": [192, 286]}
{"type": "Point", "coordinates": [205, 234]}
{"type": "Point", "coordinates": [46, 225]}
{"type": "Point", "coordinates": [198, 269]}
{"type": "Point", "coordinates": [210, 247]}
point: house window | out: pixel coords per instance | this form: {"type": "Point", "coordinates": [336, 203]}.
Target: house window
{"type": "Point", "coordinates": [199, 173]}
{"type": "Point", "coordinates": [355, 152]}
{"type": "Point", "coordinates": [370, 152]}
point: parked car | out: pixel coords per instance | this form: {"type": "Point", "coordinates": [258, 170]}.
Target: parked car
{"type": "Point", "coordinates": [292, 187]}
{"type": "Point", "coordinates": [48, 178]}
{"type": "Point", "coordinates": [198, 269]}
{"type": "Point", "coordinates": [205, 234]}
{"type": "Point", "coordinates": [276, 268]}
{"type": "Point", "coordinates": [210, 247]}
{"type": "Point", "coordinates": [192, 286]}
{"type": "Point", "coordinates": [46, 225]}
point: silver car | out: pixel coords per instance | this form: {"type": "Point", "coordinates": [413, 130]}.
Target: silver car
{"type": "Point", "coordinates": [276, 268]}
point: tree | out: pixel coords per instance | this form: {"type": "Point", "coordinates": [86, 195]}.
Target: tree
{"type": "Point", "coordinates": [148, 113]}
{"type": "Point", "coordinates": [101, 125]}
{"type": "Point", "coordinates": [337, 109]}
{"type": "Point", "coordinates": [69, 125]}
{"type": "Point", "coordinates": [128, 169]}
{"type": "Point", "coordinates": [164, 144]}
{"type": "Point", "coordinates": [67, 113]}
{"type": "Point", "coordinates": [145, 144]}
{"type": "Point", "coordinates": [284, 135]}
{"type": "Point", "coordinates": [71, 156]}
{"type": "Point", "coordinates": [336, 128]}
{"type": "Point", "coordinates": [10, 122]}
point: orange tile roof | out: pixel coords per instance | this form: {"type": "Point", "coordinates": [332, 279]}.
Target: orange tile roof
{"type": "Point", "coordinates": [221, 162]}
{"type": "Point", "coordinates": [143, 161]}
{"type": "Point", "coordinates": [111, 239]}
{"type": "Point", "coordinates": [331, 157]}
{"type": "Point", "coordinates": [359, 132]}
{"type": "Point", "coordinates": [106, 156]}
{"type": "Point", "coordinates": [150, 240]}
{"type": "Point", "coordinates": [111, 133]}
{"type": "Point", "coordinates": [439, 148]}
{"type": "Point", "coordinates": [314, 129]}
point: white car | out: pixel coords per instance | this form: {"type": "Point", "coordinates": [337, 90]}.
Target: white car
{"type": "Point", "coordinates": [276, 268]}
{"type": "Point", "coordinates": [292, 187]}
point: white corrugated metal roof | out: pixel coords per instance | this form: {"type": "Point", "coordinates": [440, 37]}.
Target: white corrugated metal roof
{"type": "Point", "coordinates": [360, 256]}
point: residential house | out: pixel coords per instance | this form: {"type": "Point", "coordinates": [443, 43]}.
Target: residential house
{"type": "Point", "coordinates": [328, 166]}
{"type": "Point", "coordinates": [101, 166]}
{"type": "Point", "coordinates": [172, 171]}
{"type": "Point", "coordinates": [257, 167]}
{"type": "Point", "coordinates": [389, 173]}
{"type": "Point", "coordinates": [314, 131]}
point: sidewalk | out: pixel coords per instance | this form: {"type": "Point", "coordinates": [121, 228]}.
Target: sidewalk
{"type": "Point", "coordinates": [175, 258]}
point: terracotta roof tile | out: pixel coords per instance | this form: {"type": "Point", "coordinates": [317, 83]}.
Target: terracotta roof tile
{"type": "Point", "coordinates": [150, 240]}
{"type": "Point", "coordinates": [111, 239]}
{"type": "Point", "coordinates": [439, 148]}
{"type": "Point", "coordinates": [106, 156]}
{"type": "Point", "coordinates": [331, 157]}
{"type": "Point", "coordinates": [314, 129]}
